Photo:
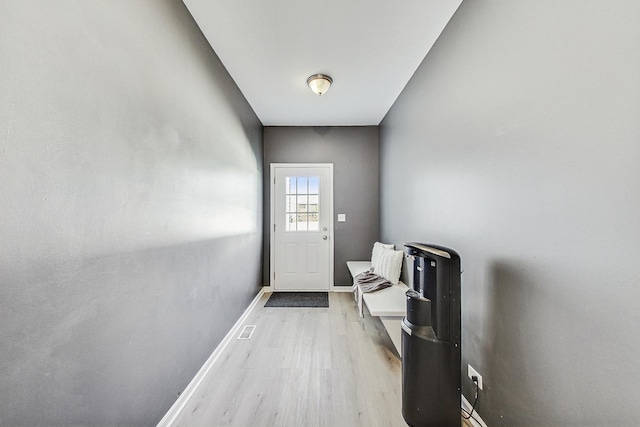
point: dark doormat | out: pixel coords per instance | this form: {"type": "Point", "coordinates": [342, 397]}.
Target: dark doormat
{"type": "Point", "coordinates": [298, 299]}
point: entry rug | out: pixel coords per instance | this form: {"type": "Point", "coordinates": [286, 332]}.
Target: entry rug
{"type": "Point", "coordinates": [298, 299]}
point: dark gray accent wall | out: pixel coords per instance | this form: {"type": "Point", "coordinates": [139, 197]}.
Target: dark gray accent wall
{"type": "Point", "coordinates": [354, 154]}
{"type": "Point", "coordinates": [130, 209]}
{"type": "Point", "coordinates": [517, 143]}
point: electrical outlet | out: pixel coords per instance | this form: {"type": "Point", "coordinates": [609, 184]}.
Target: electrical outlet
{"type": "Point", "coordinates": [473, 373]}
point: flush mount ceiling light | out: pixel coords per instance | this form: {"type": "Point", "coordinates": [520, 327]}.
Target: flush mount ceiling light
{"type": "Point", "coordinates": [319, 83]}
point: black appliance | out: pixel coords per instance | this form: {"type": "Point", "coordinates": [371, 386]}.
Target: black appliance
{"type": "Point", "coordinates": [431, 345]}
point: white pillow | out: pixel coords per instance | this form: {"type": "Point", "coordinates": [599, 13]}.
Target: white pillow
{"type": "Point", "coordinates": [375, 254]}
{"type": "Point", "coordinates": [390, 264]}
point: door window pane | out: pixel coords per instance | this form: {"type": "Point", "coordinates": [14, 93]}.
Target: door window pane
{"type": "Point", "coordinates": [291, 185]}
{"type": "Point", "coordinates": [302, 185]}
{"type": "Point", "coordinates": [291, 204]}
{"type": "Point", "coordinates": [302, 222]}
{"type": "Point", "coordinates": [313, 203]}
{"type": "Point", "coordinates": [302, 203]}
{"type": "Point", "coordinates": [313, 224]}
{"type": "Point", "coordinates": [291, 222]}
{"type": "Point", "coordinates": [313, 184]}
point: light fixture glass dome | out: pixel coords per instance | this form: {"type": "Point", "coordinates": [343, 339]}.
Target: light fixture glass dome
{"type": "Point", "coordinates": [319, 83]}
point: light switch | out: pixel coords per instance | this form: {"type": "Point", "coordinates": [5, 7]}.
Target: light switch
{"type": "Point", "coordinates": [342, 217]}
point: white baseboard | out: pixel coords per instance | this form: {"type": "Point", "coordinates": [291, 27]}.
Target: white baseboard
{"type": "Point", "coordinates": [475, 419]}
{"type": "Point", "coordinates": [347, 288]}
{"type": "Point", "coordinates": [175, 410]}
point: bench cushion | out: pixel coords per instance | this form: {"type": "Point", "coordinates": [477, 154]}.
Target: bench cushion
{"type": "Point", "coordinates": [389, 265]}
{"type": "Point", "coordinates": [377, 251]}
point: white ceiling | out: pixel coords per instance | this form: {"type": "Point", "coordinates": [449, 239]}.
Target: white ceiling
{"type": "Point", "coordinates": [370, 48]}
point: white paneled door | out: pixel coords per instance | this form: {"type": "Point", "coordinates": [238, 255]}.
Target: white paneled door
{"type": "Point", "coordinates": [302, 227]}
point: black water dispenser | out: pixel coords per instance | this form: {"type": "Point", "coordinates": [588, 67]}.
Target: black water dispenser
{"type": "Point", "coordinates": [431, 346]}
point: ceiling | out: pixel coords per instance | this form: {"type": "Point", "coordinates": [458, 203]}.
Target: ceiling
{"type": "Point", "coordinates": [370, 48]}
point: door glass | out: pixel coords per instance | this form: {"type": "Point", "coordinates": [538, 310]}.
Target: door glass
{"type": "Point", "coordinates": [302, 185]}
{"type": "Point", "coordinates": [302, 208]}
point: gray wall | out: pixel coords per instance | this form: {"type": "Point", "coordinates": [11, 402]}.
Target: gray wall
{"type": "Point", "coordinates": [130, 207]}
{"type": "Point", "coordinates": [521, 133]}
{"type": "Point", "coordinates": [354, 154]}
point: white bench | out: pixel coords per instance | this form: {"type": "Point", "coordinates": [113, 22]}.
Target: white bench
{"type": "Point", "coordinates": [389, 304]}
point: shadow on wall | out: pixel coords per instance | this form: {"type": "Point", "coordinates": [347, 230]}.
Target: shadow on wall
{"type": "Point", "coordinates": [546, 344]}
{"type": "Point", "coordinates": [529, 354]}
{"type": "Point", "coordinates": [511, 309]}
{"type": "Point", "coordinates": [88, 338]}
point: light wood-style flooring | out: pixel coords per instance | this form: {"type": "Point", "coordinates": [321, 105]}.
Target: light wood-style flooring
{"type": "Point", "coordinates": [303, 367]}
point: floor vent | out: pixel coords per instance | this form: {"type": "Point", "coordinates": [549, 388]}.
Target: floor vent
{"type": "Point", "coordinates": [246, 332]}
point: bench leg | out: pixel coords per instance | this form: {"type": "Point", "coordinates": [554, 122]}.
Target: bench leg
{"type": "Point", "coordinates": [393, 326]}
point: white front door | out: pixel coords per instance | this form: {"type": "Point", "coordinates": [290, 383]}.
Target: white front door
{"type": "Point", "coordinates": [302, 227]}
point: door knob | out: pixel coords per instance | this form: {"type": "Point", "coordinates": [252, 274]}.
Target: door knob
{"type": "Point", "coordinates": [325, 237]}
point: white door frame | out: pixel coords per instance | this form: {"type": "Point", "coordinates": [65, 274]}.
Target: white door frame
{"type": "Point", "coordinates": [272, 177]}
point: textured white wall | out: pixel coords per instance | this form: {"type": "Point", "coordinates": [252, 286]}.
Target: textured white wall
{"type": "Point", "coordinates": [130, 209]}
{"type": "Point", "coordinates": [517, 143]}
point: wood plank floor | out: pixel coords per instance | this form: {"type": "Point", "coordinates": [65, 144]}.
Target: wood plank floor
{"type": "Point", "coordinates": [303, 367]}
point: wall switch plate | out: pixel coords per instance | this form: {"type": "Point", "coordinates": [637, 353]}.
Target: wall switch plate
{"type": "Point", "coordinates": [342, 217]}
{"type": "Point", "coordinates": [473, 373]}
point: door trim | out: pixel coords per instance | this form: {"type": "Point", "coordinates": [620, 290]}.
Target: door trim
{"type": "Point", "coordinates": [272, 178]}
